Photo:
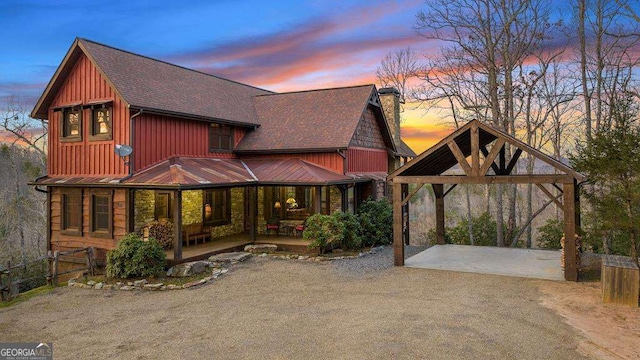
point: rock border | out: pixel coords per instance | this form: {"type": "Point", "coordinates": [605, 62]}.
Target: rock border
{"type": "Point", "coordinates": [218, 271]}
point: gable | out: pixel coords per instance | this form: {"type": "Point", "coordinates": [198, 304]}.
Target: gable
{"type": "Point", "coordinates": [473, 140]}
{"type": "Point", "coordinates": [368, 133]}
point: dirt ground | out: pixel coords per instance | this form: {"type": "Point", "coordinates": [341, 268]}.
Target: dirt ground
{"type": "Point", "coordinates": [279, 309]}
{"type": "Point", "coordinates": [610, 331]}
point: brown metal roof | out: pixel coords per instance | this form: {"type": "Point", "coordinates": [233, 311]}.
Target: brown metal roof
{"type": "Point", "coordinates": [316, 119]}
{"type": "Point", "coordinates": [207, 172]}
{"type": "Point", "coordinates": [294, 172]}
{"type": "Point", "coordinates": [403, 149]}
{"type": "Point", "coordinates": [194, 172]}
{"type": "Point", "coordinates": [159, 86]}
{"type": "Point", "coordinates": [77, 181]}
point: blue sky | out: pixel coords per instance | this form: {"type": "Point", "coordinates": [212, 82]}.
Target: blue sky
{"type": "Point", "coordinates": [280, 45]}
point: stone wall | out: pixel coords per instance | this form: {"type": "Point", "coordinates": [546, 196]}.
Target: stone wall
{"type": "Point", "coordinates": [192, 207]}
{"type": "Point", "coordinates": [237, 216]}
{"type": "Point", "coordinates": [144, 207]}
{"type": "Point", "coordinates": [335, 199]}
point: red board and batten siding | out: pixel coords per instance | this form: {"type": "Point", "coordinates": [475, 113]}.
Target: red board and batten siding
{"type": "Point", "coordinates": [89, 158]}
{"type": "Point", "coordinates": [367, 160]}
{"type": "Point", "coordinates": [160, 137]}
{"type": "Point", "coordinates": [332, 161]}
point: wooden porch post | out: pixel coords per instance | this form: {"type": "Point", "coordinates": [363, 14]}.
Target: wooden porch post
{"type": "Point", "coordinates": [398, 245]}
{"type": "Point", "coordinates": [438, 190]}
{"type": "Point", "coordinates": [405, 215]}
{"type": "Point", "coordinates": [317, 201]}
{"type": "Point", "coordinates": [570, 266]}
{"type": "Point", "coordinates": [131, 200]}
{"type": "Point", "coordinates": [177, 226]}
{"type": "Point", "coordinates": [253, 214]}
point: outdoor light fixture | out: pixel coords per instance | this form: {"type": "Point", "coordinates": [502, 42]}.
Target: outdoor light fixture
{"type": "Point", "coordinates": [291, 203]}
{"type": "Point", "coordinates": [277, 205]}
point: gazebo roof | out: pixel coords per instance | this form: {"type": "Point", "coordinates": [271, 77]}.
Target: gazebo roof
{"type": "Point", "coordinates": [470, 140]}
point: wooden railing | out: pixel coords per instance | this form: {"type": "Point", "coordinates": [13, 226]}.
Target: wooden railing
{"type": "Point", "coordinates": [8, 284]}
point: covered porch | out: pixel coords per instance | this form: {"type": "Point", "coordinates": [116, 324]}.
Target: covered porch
{"type": "Point", "coordinates": [220, 205]}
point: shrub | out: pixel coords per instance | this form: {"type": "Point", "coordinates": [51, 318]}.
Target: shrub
{"type": "Point", "coordinates": [376, 220]}
{"type": "Point", "coordinates": [550, 234]}
{"type": "Point", "coordinates": [162, 231]}
{"type": "Point", "coordinates": [135, 258]}
{"type": "Point", "coordinates": [325, 231]}
{"type": "Point", "coordinates": [485, 231]}
{"type": "Point", "coordinates": [351, 236]}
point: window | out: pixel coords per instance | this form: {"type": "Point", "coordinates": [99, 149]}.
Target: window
{"type": "Point", "coordinates": [71, 124]}
{"type": "Point", "coordinates": [71, 222]}
{"type": "Point", "coordinates": [101, 123]}
{"type": "Point", "coordinates": [217, 207]}
{"type": "Point", "coordinates": [220, 137]}
{"type": "Point", "coordinates": [164, 206]}
{"type": "Point", "coordinates": [101, 214]}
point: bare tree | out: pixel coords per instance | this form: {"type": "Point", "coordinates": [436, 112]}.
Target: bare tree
{"type": "Point", "coordinates": [486, 41]}
{"type": "Point", "coordinates": [26, 130]}
{"type": "Point", "coordinates": [397, 69]}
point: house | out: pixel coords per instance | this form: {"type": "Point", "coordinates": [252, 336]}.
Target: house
{"type": "Point", "coordinates": [134, 139]}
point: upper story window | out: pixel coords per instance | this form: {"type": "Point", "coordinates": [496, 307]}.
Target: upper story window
{"type": "Point", "coordinates": [101, 123]}
{"type": "Point", "coordinates": [72, 124]}
{"type": "Point", "coordinates": [220, 137]}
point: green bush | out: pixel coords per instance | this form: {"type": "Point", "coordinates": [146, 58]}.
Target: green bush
{"type": "Point", "coordinates": [432, 238]}
{"type": "Point", "coordinates": [376, 221]}
{"type": "Point", "coordinates": [135, 258]}
{"type": "Point", "coordinates": [550, 234]}
{"type": "Point", "coordinates": [485, 231]}
{"type": "Point", "coordinates": [325, 231]}
{"type": "Point", "coordinates": [351, 237]}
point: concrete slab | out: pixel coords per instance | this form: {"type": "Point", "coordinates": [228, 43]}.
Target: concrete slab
{"type": "Point", "coordinates": [529, 263]}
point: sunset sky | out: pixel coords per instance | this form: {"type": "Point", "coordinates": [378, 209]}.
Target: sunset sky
{"type": "Point", "coordinates": [278, 45]}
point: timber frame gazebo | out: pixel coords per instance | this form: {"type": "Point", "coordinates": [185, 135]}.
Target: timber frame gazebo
{"type": "Point", "coordinates": [471, 140]}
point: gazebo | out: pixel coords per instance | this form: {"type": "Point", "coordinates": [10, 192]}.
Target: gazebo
{"type": "Point", "coordinates": [486, 147]}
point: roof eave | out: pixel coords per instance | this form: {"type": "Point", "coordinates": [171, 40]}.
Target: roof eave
{"type": "Point", "coordinates": [156, 111]}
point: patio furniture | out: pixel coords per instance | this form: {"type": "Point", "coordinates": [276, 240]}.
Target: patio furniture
{"type": "Point", "coordinates": [195, 232]}
{"type": "Point", "coordinates": [299, 229]}
{"type": "Point", "coordinates": [289, 226]}
{"type": "Point", "coordinates": [273, 224]}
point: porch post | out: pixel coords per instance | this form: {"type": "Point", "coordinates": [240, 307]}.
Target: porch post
{"type": "Point", "coordinates": [177, 226]}
{"type": "Point", "coordinates": [131, 200]}
{"type": "Point", "coordinates": [317, 201]}
{"type": "Point", "coordinates": [398, 245]}
{"type": "Point", "coordinates": [570, 266]}
{"type": "Point", "coordinates": [253, 214]}
{"type": "Point", "coordinates": [405, 215]}
{"type": "Point", "coordinates": [343, 198]}
{"type": "Point", "coordinates": [438, 190]}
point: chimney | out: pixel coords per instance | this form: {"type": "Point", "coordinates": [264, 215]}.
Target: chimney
{"type": "Point", "coordinates": [390, 99]}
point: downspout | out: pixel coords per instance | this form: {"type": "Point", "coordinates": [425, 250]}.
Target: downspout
{"type": "Point", "coordinates": [131, 137]}
{"type": "Point", "coordinates": [36, 187]}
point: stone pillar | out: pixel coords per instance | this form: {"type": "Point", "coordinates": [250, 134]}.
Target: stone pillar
{"type": "Point", "coordinates": [390, 99]}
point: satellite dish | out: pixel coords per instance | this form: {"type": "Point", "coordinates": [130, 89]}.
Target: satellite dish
{"type": "Point", "coordinates": [123, 150]}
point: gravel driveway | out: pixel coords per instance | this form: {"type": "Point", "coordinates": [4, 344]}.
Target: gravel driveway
{"type": "Point", "coordinates": [268, 308]}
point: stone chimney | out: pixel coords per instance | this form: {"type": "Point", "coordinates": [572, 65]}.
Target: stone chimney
{"type": "Point", "coordinates": [390, 99]}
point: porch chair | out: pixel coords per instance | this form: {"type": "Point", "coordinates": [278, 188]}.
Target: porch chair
{"type": "Point", "coordinates": [299, 229]}
{"type": "Point", "coordinates": [273, 224]}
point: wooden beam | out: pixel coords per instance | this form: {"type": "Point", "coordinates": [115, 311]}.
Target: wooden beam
{"type": "Point", "coordinates": [177, 226]}
{"type": "Point", "coordinates": [453, 186]}
{"type": "Point", "coordinates": [570, 266]}
{"type": "Point", "coordinates": [489, 157]}
{"type": "Point", "coordinates": [438, 190]}
{"type": "Point", "coordinates": [411, 194]}
{"type": "Point", "coordinates": [512, 163]}
{"type": "Point", "coordinates": [554, 198]}
{"type": "Point", "coordinates": [252, 193]}
{"type": "Point", "coordinates": [498, 179]}
{"type": "Point", "coordinates": [398, 245]}
{"type": "Point", "coordinates": [405, 214]}
{"type": "Point", "coordinates": [557, 187]}
{"type": "Point", "coordinates": [460, 157]}
{"type": "Point", "coordinates": [475, 150]}
{"type": "Point", "coordinates": [502, 162]}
